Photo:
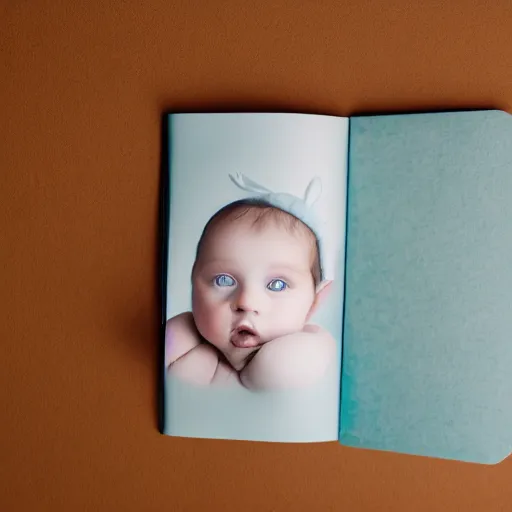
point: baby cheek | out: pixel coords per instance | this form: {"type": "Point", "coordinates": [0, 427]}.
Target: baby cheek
{"type": "Point", "coordinates": [282, 321]}
{"type": "Point", "coordinates": [294, 315]}
{"type": "Point", "coordinates": [209, 319]}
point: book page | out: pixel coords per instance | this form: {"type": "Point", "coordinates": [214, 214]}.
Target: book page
{"type": "Point", "coordinates": [427, 361]}
{"type": "Point", "coordinates": [255, 276]}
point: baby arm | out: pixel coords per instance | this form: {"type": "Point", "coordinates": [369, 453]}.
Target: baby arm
{"type": "Point", "coordinates": [292, 361]}
{"type": "Point", "coordinates": [185, 354]}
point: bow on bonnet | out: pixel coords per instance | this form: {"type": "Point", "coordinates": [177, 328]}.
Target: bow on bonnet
{"type": "Point", "coordinates": [311, 195]}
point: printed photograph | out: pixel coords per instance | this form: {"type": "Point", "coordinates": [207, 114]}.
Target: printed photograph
{"type": "Point", "coordinates": [255, 270]}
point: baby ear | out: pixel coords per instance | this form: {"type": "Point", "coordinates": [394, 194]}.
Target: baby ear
{"type": "Point", "coordinates": [321, 294]}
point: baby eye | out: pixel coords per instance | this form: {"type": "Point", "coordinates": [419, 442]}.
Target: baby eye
{"type": "Point", "coordinates": [277, 285]}
{"type": "Point", "coordinates": [224, 280]}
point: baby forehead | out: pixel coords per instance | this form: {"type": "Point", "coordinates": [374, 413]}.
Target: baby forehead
{"type": "Point", "coordinates": [253, 230]}
{"type": "Point", "coordinates": [242, 247]}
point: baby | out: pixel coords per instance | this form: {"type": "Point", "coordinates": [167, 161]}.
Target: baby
{"type": "Point", "coordinates": [256, 282]}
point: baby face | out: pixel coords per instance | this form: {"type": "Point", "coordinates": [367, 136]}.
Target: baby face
{"type": "Point", "coordinates": [251, 285]}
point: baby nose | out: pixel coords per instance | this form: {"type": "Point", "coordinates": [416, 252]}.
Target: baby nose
{"type": "Point", "coordinates": [247, 301]}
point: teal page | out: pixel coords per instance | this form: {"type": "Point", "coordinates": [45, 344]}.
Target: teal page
{"type": "Point", "coordinates": [427, 350]}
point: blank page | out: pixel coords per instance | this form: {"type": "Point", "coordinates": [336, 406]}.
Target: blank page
{"type": "Point", "coordinates": [427, 357]}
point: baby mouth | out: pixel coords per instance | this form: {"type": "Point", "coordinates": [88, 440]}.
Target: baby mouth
{"type": "Point", "coordinates": [245, 337]}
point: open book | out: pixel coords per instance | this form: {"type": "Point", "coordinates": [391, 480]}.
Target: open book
{"type": "Point", "coordinates": [348, 279]}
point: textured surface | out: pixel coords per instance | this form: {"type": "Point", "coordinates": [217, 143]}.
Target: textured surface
{"type": "Point", "coordinates": [82, 89]}
{"type": "Point", "coordinates": [428, 319]}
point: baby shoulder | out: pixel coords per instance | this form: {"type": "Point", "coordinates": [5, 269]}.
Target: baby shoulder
{"type": "Point", "coordinates": [181, 336]}
{"type": "Point", "coordinates": [183, 321]}
{"type": "Point", "coordinates": [321, 335]}
{"type": "Point", "coordinates": [198, 366]}
{"type": "Point", "coordinates": [295, 360]}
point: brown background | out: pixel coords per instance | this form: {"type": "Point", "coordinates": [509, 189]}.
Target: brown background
{"type": "Point", "coordinates": [83, 86]}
